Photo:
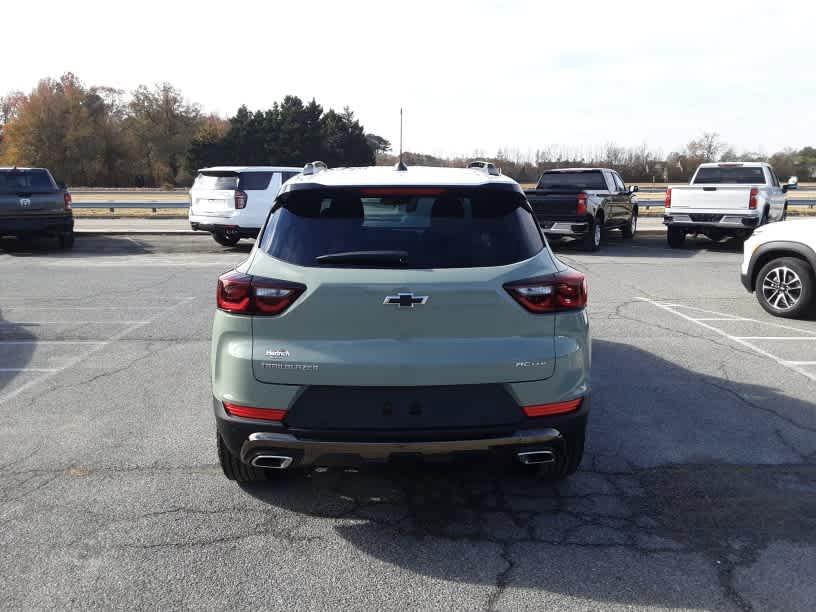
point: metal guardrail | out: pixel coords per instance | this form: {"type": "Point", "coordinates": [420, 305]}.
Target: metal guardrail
{"type": "Point", "coordinates": [155, 205]}
{"type": "Point", "coordinates": [152, 204]}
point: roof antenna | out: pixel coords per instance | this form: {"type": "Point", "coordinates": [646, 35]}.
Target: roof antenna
{"type": "Point", "coordinates": [400, 165]}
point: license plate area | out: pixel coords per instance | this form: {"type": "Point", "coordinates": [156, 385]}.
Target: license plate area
{"type": "Point", "coordinates": [403, 408]}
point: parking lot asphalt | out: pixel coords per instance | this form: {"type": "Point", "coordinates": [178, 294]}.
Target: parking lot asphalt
{"type": "Point", "coordinates": [698, 490]}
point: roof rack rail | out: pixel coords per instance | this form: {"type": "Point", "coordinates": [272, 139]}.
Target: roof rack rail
{"type": "Point", "coordinates": [488, 167]}
{"type": "Point", "coordinates": [314, 167]}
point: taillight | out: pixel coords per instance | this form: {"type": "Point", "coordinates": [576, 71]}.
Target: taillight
{"type": "Point", "coordinates": [582, 204]}
{"type": "Point", "coordinates": [243, 294]}
{"type": "Point", "coordinates": [561, 291]}
{"type": "Point", "coordinates": [247, 412]}
{"type": "Point", "coordinates": [752, 199]}
{"type": "Point", "coordinates": [539, 410]}
{"type": "Point", "coordinates": [68, 201]}
{"type": "Point", "coordinates": [240, 199]}
{"type": "Point", "coordinates": [667, 202]}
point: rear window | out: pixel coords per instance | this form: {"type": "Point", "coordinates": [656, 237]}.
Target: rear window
{"type": "Point", "coordinates": [12, 181]}
{"type": "Point", "coordinates": [738, 175]}
{"type": "Point", "coordinates": [246, 181]}
{"type": "Point", "coordinates": [430, 228]}
{"type": "Point", "coordinates": [590, 180]}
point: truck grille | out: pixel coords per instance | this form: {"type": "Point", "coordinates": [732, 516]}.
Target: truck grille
{"type": "Point", "coordinates": [706, 218]}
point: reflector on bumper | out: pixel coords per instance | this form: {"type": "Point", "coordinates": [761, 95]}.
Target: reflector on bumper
{"type": "Point", "coordinates": [539, 410]}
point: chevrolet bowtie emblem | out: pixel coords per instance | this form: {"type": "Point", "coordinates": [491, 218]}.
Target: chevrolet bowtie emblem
{"type": "Point", "coordinates": [405, 300]}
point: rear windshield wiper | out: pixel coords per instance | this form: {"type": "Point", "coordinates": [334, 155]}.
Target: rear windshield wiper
{"type": "Point", "coordinates": [365, 257]}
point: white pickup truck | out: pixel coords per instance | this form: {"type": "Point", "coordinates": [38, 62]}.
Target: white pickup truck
{"type": "Point", "coordinates": [725, 199]}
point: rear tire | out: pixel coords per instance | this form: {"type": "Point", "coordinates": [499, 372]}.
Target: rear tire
{"type": "Point", "coordinates": [592, 239]}
{"type": "Point", "coordinates": [797, 297]}
{"type": "Point", "coordinates": [676, 237]}
{"type": "Point", "coordinates": [237, 470]}
{"type": "Point", "coordinates": [630, 228]}
{"type": "Point", "coordinates": [566, 462]}
{"type": "Point", "coordinates": [66, 240]}
{"type": "Point", "coordinates": [225, 240]}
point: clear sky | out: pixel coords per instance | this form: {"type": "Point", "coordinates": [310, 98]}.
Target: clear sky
{"type": "Point", "coordinates": [471, 75]}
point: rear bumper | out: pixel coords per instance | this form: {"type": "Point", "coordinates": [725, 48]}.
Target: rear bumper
{"type": "Point", "coordinates": [52, 224]}
{"type": "Point", "coordinates": [745, 279]}
{"type": "Point", "coordinates": [564, 228]}
{"type": "Point", "coordinates": [723, 221]}
{"type": "Point", "coordinates": [249, 438]}
{"type": "Point", "coordinates": [226, 228]}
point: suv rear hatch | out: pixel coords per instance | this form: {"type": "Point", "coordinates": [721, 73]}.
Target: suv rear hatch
{"type": "Point", "coordinates": [402, 286]}
{"type": "Point", "coordinates": [27, 192]}
{"type": "Point", "coordinates": [213, 193]}
{"type": "Point", "coordinates": [219, 193]}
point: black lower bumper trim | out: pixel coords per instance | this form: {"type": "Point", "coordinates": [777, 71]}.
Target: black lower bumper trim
{"type": "Point", "coordinates": [230, 230]}
{"type": "Point", "coordinates": [248, 438]}
{"type": "Point", "coordinates": [310, 452]}
{"type": "Point", "coordinates": [37, 225]}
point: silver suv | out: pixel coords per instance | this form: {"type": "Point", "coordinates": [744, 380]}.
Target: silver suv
{"type": "Point", "coordinates": [389, 313]}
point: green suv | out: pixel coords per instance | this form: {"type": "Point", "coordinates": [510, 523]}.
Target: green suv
{"type": "Point", "coordinates": [388, 313]}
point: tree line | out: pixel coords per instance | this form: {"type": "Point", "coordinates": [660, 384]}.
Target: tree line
{"type": "Point", "coordinates": [153, 137]}
{"type": "Point", "coordinates": [635, 164]}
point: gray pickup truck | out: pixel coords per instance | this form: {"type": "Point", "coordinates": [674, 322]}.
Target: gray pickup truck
{"type": "Point", "coordinates": [582, 203]}
{"type": "Point", "coordinates": [32, 203]}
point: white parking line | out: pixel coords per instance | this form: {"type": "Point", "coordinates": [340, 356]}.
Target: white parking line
{"type": "Point", "coordinates": [80, 358]}
{"type": "Point", "coordinates": [796, 367]}
{"type": "Point", "coordinates": [72, 322]}
{"type": "Point", "coordinates": [56, 342]}
{"type": "Point", "coordinates": [725, 317]}
{"type": "Point", "coordinates": [774, 337]}
{"type": "Point", "coordinates": [92, 308]}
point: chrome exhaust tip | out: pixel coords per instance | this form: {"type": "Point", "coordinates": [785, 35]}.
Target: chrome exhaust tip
{"type": "Point", "coordinates": [271, 462]}
{"type": "Point", "coordinates": [536, 457]}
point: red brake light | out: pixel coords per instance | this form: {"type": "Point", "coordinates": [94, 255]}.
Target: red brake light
{"type": "Point", "coordinates": [752, 199]}
{"type": "Point", "coordinates": [540, 410]}
{"type": "Point", "coordinates": [582, 204]}
{"type": "Point", "coordinates": [240, 199]}
{"type": "Point", "coordinates": [68, 201]}
{"type": "Point", "coordinates": [243, 294]}
{"type": "Point", "coordinates": [668, 198]}
{"type": "Point", "coordinates": [262, 414]}
{"type": "Point", "coordinates": [401, 191]}
{"type": "Point", "coordinates": [559, 292]}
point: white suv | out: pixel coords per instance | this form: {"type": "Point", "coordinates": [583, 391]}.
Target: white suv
{"type": "Point", "coordinates": [779, 264]}
{"type": "Point", "coordinates": [232, 202]}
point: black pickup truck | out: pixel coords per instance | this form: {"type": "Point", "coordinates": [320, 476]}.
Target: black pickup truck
{"type": "Point", "coordinates": [582, 203]}
{"type": "Point", "coordinates": [32, 203]}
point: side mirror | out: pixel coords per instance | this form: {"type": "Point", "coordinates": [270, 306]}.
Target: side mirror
{"type": "Point", "coordinates": [634, 189]}
{"type": "Point", "coordinates": [61, 186]}
{"type": "Point", "coordinates": [793, 183]}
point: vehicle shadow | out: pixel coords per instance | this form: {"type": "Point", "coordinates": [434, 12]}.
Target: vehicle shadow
{"type": "Point", "coordinates": [684, 472]}
{"type": "Point", "coordinates": [116, 245]}
{"type": "Point", "coordinates": [17, 346]}
{"type": "Point", "coordinates": [648, 245]}
{"type": "Point", "coordinates": [90, 246]}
